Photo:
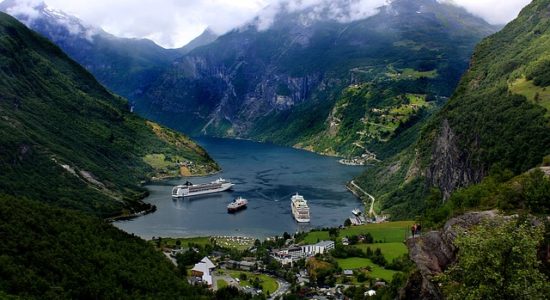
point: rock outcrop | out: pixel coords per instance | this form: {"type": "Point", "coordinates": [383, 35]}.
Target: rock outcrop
{"type": "Point", "coordinates": [434, 252]}
{"type": "Point", "coordinates": [451, 167]}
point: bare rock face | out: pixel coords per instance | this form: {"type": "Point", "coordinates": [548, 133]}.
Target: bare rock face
{"type": "Point", "coordinates": [434, 252]}
{"type": "Point", "coordinates": [450, 167]}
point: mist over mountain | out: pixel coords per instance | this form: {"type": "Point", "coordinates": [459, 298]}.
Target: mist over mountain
{"type": "Point", "coordinates": [121, 64]}
{"type": "Point", "coordinates": [253, 80]}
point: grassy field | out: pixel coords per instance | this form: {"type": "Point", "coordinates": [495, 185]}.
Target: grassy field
{"type": "Point", "coordinates": [390, 232]}
{"type": "Point", "coordinates": [358, 263]}
{"type": "Point", "coordinates": [228, 242]}
{"type": "Point", "coordinates": [315, 236]}
{"type": "Point", "coordinates": [269, 284]}
{"type": "Point", "coordinates": [171, 242]}
{"type": "Point", "coordinates": [530, 91]}
{"type": "Point", "coordinates": [157, 161]}
{"type": "Point", "coordinates": [390, 250]}
{"type": "Point", "coordinates": [236, 243]}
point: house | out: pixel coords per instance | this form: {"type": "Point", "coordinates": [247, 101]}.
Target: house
{"type": "Point", "coordinates": [241, 265]}
{"type": "Point", "coordinates": [319, 248]}
{"type": "Point", "coordinates": [370, 293]}
{"type": "Point", "coordinates": [348, 272]}
{"type": "Point", "coordinates": [345, 241]}
{"type": "Point", "coordinates": [203, 270]}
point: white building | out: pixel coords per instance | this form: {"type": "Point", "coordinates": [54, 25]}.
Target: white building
{"type": "Point", "coordinates": [203, 269]}
{"type": "Point", "coordinates": [319, 248]}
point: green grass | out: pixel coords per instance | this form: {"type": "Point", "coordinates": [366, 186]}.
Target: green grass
{"type": "Point", "coordinates": [269, 284]}
{"type": "Point", "coordinates": [390, 232]}
{"type": "Point", "coordinates": [316, 236]}
{"type": "Point", "coordinates": [220, 241]}
{"type": "Point", "coordinates": [221, 283]}
{"type": "Point", "coordinates": [157, 161]}
{"type": "Point", "coordinates": [528, 89]}
{"type": "Point", "coordinates": [413, 74]}
{"type": "Point", "coordinates": [186, 241]}
{"type": "Point", "coordinates": [390, 250]}
{"type": "Point", "coordinates": [240, 244]}
{"type": "Point", "coordinates": [359, 263]}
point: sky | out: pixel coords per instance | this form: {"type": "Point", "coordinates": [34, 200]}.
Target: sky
{"type": "Point", "coordinates": [173, 23]}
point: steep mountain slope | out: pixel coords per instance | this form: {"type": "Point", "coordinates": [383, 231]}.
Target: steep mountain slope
{"type": "Point", "coordinates": [496, 120]}
{"type": "Point", "coordinates": [50, 253]}
{"type": "Point", "coordinates": [281, 84]}
{"type": "Point", "coordinates": [123, 65]}
{"type": "Point", "coordinates": [68, 141]}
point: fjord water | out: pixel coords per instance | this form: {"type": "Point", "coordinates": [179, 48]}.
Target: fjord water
{"type": "Point", "coordinates": [265, 174]}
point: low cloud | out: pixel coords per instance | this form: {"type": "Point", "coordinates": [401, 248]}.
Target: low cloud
{"type": "Point", "coordinates": [493, 11]}
{"type": "Point", "coordinates": [173, 23]}
{"type": "Point", "coordinates": [339, 10]}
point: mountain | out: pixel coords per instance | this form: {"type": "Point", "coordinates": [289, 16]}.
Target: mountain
{"type": "Point", "coordinates": [289, 83]}
{"type": "Point", "coordinates": [71, 153]}
{"type": "Point", "coordinates": [66, 140]}
{"type": "Point", "coordinates": [121, 64]}
{"type": "Point", "coordinates": [495, 127]}
{"type": "Point", "coordinates": [206, 37]}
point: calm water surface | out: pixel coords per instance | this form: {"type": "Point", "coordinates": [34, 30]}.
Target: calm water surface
{"type": "Point", "coordinates": [266, 175]}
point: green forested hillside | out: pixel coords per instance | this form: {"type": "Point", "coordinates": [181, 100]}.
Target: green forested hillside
{"type": "Point", "coordinates": [68, 141]}
{"type": "Point", "coordinates": [496, 121]}
{"type": "Point", "coordinates": [71, 152]}
{"type": "Point", "coordinates": [50, 253]}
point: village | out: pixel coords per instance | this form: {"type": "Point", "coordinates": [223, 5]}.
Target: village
{"type": "Point", "coordinates": [329, 263]}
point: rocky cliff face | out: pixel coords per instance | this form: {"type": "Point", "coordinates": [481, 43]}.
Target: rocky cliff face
{"type": "Point", "coordinates": [434, 252]}
{"type": "Point", "coordinates": [451, 167]}
{"type": "Point", "coordinates": [491, 120]}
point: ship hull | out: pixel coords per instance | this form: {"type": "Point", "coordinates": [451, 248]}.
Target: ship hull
{"type": "Point", "coordinates": [180, 193]}
{"type": "Point", "coordinates": [236, 209]}
{"type": "Point", "coordinates": [302, 220]}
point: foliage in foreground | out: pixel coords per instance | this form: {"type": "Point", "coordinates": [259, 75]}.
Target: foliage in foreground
{"type": "Point", "coordinates": [498, 260]}
{"type": "Point", "coordinates": [51, 253]}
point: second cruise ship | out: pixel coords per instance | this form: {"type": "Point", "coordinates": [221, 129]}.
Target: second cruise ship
{"type": "Point", "coordinates": [300, 209]}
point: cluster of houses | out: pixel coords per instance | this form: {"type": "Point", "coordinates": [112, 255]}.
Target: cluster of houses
{"type": "Point", "coordinates": [294, 253]}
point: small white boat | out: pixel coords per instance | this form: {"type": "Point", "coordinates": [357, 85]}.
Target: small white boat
{"type": "Point", "coordinates": [237, 204]}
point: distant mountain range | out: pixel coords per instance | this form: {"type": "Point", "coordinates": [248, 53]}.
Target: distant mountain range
{"type": "Point", "coordinates": [333, 87]}
{"type": "Point", "coordinates": [290, 82]}
{"type": "Point", "coordinates": [126, 66]}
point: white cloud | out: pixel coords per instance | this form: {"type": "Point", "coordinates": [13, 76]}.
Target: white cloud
{"type": "Point", "coordinates": [173, 23]}
{"type": "Point", "coordinates": [493, 11]}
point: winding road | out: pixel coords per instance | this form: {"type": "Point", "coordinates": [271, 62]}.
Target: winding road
{"type": "Point", "coordinates": [371, 210]}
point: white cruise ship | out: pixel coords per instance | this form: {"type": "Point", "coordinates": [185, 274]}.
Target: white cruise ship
{"type": "Point", "coordinates": [300, 209]}
{"type": "Point", "coordinates": [189, 189]}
